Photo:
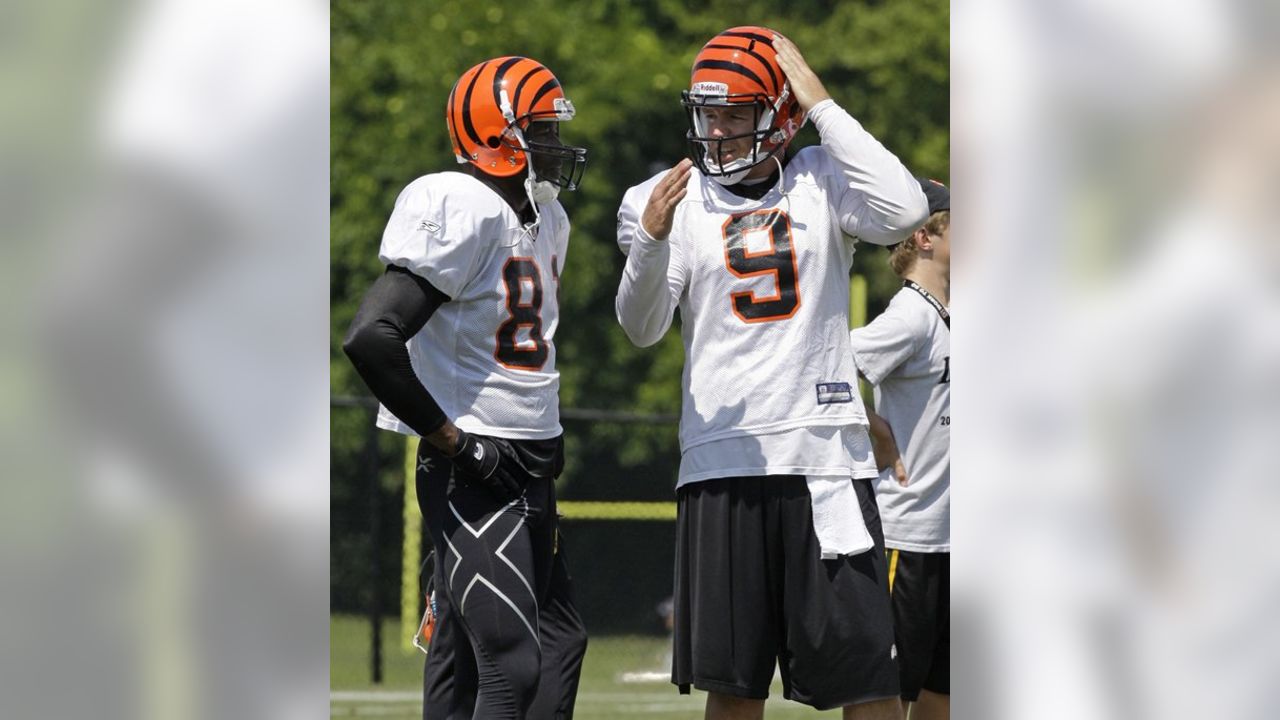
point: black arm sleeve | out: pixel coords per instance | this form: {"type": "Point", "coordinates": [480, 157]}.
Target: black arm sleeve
{"type": "Point", "coordinates": [393, 310]}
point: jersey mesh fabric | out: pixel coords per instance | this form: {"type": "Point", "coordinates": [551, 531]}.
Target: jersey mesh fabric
{"type": "Point", "coordinates": [762, 284]}
{"type": "Point", "coordinates": [502, 280]}
{"type": "Point", "coordinates": [748, 375]}
{"type": "Point", "coordinates": [826, 452]}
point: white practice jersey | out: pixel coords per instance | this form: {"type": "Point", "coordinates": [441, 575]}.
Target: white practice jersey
{"type": "Point", "coordinates": [487, 356]}
{"type": "Point", "coordinates": [763, 285]}
{"type": "Point", "coordinates": [906, 354]}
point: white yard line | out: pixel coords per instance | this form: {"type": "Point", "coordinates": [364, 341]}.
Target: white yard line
{"type": "Point", "coordinates": [376, 696]}
{"type": "Point", "coordinates": [410, 696]}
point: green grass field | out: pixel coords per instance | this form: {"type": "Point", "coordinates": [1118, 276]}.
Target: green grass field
{"type": "Point", "coordinates": [604, 693]}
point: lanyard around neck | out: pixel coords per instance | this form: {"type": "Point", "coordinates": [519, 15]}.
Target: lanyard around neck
{"type": "Point", "coordinates": [942, 311]}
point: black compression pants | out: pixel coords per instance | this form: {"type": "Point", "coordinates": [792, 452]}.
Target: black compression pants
{"type": "Point", "coordinates": [508, 642]}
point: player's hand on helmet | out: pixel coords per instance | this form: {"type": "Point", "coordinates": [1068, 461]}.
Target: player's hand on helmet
{"type": "Point", "coordinates": [804, 82]}
{"type": "Point", "coordinates": [488, 462]}
{"type": "Point", "coordinates": [667, 194]}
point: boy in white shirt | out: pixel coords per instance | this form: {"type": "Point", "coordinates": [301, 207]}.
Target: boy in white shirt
{"type": "Point", "coordinates": [906, 354]}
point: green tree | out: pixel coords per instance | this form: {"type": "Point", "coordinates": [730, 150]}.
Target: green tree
{"type": "Point", "coordinates": [623, 64]}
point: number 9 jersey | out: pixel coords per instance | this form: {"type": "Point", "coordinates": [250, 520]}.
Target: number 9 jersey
{"type": "Point", "coordinates": [487, 356]}
{"type": "Point", "coordinates": [763, 284]}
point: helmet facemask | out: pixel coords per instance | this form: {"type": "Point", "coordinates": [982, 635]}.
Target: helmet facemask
{"type": "Point", "coordinates": [545, 161]}
{"type": "Point", "coordinates": [705, 150]}
{"type": "Point", "coordinates": [739, 67]}
{"type": "Point", "coordinates": [555, 162]}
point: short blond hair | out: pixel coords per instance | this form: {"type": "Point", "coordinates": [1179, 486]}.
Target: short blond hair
{"type": "Point", "coordinates": [904, 254]}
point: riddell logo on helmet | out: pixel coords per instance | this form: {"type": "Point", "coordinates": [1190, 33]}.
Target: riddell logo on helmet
{"type": "Point", "coordinates": [709, 88]}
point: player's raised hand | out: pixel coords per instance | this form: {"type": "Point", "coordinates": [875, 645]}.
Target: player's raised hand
{"type": "Point", "coordinates": [804, 83]}
{"type": "Point", "coordinates": [667, 194]}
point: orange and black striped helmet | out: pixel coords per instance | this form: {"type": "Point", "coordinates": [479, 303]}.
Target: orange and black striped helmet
{"type": "Point", "coordinates": [492, 105]}
{"type": "Point", "coordinates": [740, 66]}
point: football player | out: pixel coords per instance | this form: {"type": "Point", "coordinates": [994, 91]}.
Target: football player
{"type": "Point", "coordinates": [779, 558]}
{"type": "Point", "coordinates": [456, 340]}
{"type": "Point", "coordinates": [906, 354]}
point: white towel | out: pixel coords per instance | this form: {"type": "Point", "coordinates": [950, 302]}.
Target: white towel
{"type": "Point", "coordinates": [837, 517]}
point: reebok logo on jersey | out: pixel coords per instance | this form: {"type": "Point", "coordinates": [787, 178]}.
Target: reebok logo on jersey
{"type": "Point", "coordinates": [429, 226]}
{"type": "Point", "coordinates": [831, 393]}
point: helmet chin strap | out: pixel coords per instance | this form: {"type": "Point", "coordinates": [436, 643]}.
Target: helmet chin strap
{"type": "Point", "coordinates": [736, 177]}
{"type": "Point", "coordinates": [731, 178]}
{"type": "Point", "coordinates": [538, 191]}
{"type": "Point", "coordinates": [531, 191]}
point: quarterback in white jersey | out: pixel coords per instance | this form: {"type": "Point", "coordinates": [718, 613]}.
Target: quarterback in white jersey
{"type": "Point", "coordinates": [762, 284]}
{"type": "Point", "coordinates": [755, 248]}
{"type": "Point", "coordinates": [763, 288]}
{"type": "Point", "coordinates": [456, 340]}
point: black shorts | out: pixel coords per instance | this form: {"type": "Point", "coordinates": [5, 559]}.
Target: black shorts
{"type": "Point", "coordinates": [920, 586]}
{"type": "Point", "coordinates": [752, 591]}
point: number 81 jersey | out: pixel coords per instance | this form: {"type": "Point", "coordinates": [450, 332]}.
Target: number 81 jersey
{"type": "Point", "coordinates": [763, 291]}
{"type": "Point", "coordinates": [487, 356]}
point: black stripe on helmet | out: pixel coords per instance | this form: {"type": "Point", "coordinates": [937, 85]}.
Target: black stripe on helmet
{"type": "Point", "coordinates": [767, 66]}
{"type": "Point", "coordinates": [547, 87]}
{"type": "Point", "coordinates": [466, 106]}
{"type": "Point", "coordinates": [750, 36]}
{"type": "Point", "coordinates": [730, 66]}
{"type": "Point", "coordinates": [497, 81]}
{"type": "Point", "coordinates": [515, 100]}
